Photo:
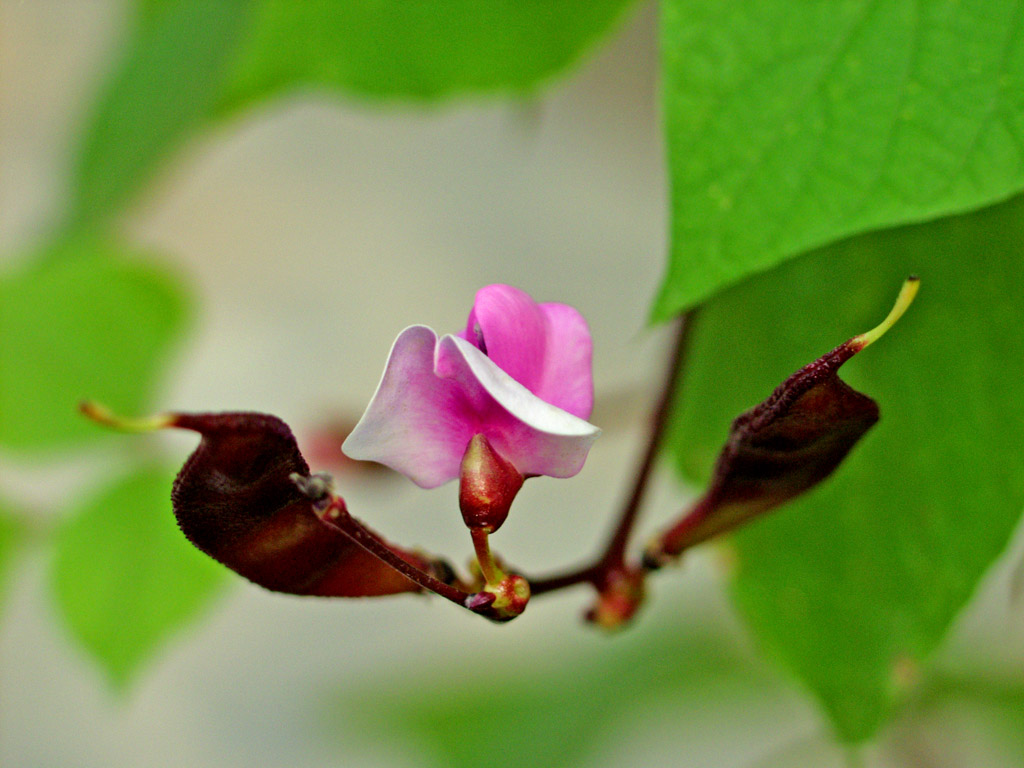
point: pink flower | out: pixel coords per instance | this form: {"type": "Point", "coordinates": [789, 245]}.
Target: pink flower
{"type": "Point", "coordinates": [519, 374]}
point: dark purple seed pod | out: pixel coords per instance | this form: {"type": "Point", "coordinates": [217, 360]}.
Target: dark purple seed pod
{"type": "Point", "coordinates": [235, 499]}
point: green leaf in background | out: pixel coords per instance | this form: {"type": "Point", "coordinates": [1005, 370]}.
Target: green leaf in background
{"type": "Point", "coordinates": [163, 88]}
{"type": "Point", "coordinates": [82, 321]}
{"type": "Point", "coordinates": [857, 582]}
{"type": "Point", "coordinates": [12, 531]}
{"type": "Point", "coordinates": [191, 61]}
{"type": "Point", "coordinates": [791, 125]}
{"type": "Point", "coordinates": [125, 578]}
{"type": "Point", "coordinates": [395, 49]}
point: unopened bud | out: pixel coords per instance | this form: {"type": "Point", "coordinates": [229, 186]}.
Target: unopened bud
{"type": "Point", "coordinates": [487, 486]}
{"type": "Point", "coordinates": [503, 601]}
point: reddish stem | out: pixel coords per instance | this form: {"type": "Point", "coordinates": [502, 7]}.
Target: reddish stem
{"type": "Point", "coordinates": [333, 512]}
{"type": "Point", "coordinates": [592, 575]}
{"type": "Point", "coordinates": [337, 516]}
{"type": "Point", "coordinates": [679, 537]}
{"type": "Point", "coordinates": [613, 558]}
{"type": "Point", "coordinates": [614, 555]}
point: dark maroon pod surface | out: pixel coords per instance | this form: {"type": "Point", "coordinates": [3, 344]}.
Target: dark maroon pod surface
{"type": "Point", "coordinates": [784, 446]}
{"type": "Point", "coordinates": [234, 500]}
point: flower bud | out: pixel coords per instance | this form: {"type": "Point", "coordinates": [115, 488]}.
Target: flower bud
{"type": "Point", "coordinates": [487, 485]}
{"type": "Point", "coordinates": [511, 597]}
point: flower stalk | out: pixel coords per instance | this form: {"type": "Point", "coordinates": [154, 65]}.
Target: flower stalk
{"type": "Point", "coordinates": [502, 599]}
{"type": "Point", "coordinates": [619, 586]}
{"type": "Point", "coordinates": [489, 568]}
{"type": "Point", "coordinates": [333, 512]}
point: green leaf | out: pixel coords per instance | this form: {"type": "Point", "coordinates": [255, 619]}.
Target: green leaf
{"type": "Point", "coordinates": [81, 321]}
{"type": "Point", "coordinates": [859, 580]}
{"type": "Point", "coordinates": [191, 61]}
{"type": "Point", "coordinates": [791, 125]}
{"type": "Point", "coordinates": [12, 531]}
{"type": "Point", "coordinates": [389, 48]}
{"type": "Point", "coordinates": [124, 577]}
{"type": "Point", "coordinates": [164, 88]}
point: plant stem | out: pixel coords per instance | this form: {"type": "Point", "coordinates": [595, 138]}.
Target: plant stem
{"type": "Point", "coordinates": [492, 573]}
{"type": "Point", "coordinates": [614, 555]}
{"type": "Point", "coordinates": [337, 516]}
{"type": "Point", "coordinates": [590, 574]}
{"type": "Point", "coordinates": [680, 537]}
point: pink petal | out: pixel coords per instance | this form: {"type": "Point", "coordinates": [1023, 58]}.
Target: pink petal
{"type": "Point", "coordinates": [416, 423]}
{"type": "Point", "coordinates": [435, 395]}
{"type": "Point", "coordinates": [567, 380]}
{"type": "Point", "coordinates": [510, 328]}
{"type": "Point", "coordinates": [545, 347]}
{"type": "Point", "coordinates": [537, 437]}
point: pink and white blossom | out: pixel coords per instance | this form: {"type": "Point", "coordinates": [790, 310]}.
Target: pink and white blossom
{"type": "Point", "coordinates": [519, 374]}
